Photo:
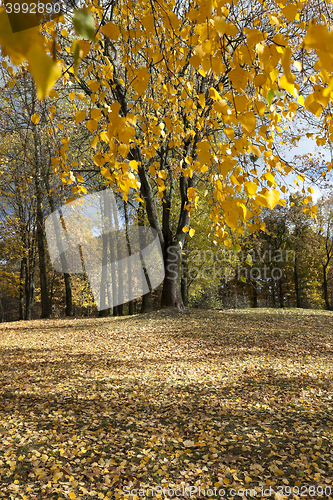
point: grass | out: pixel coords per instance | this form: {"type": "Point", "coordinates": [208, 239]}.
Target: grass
{"type": "Point", "coordinates": [230, 400]}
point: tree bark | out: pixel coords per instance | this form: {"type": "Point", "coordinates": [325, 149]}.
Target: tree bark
{"type": "Point", "coordinates": [146, 303]}
{"type": "Point", "coordinates": [30, 274]}
{"type": "Point", "coordinates": [21, 291]}
{"type": "Point", "coordinates": [281, 297]}
{"type": "Point", "coordinates": [254, 295]}
{"type": "Point", "coordinates": [146, 298]}
{"type": "Point", "coordinates": [325, 287]}
{"type": "Point", "coordinates": [67, 277]}
{"type": "Point", "coordinates": [2, 313]}
{"type": "Point", "coordinates": [184, 275]}
{"type": "Point", "coordinates": [171, 293]}
{"type": "Point", "coordinates": [297, 287]}
{"type": "Point", "coordinates": [129, 250]}
{"type": "Point", "coordinates": [45, 303]}
{"type": "Point", "coordinates": [68, 293]}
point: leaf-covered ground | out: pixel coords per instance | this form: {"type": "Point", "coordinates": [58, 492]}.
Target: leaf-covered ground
{"type": "Point", "coordinates": [229, 400]}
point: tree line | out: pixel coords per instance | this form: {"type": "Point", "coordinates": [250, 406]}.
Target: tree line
{"type": "Point", "coordinates": [170, 104]}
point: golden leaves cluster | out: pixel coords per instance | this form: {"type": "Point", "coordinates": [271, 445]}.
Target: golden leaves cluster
{"type": "Point", "coordinates": [197, 77]}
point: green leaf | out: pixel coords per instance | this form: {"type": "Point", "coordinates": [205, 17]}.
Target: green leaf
{"type": "Point", "coordinates": [270, 95]}
{"type": "Point", "coordinates": [76, 53]}
{"type": "Point", "coordinates": [249, 259]}
{"type": "Point", "coordinates": [243, 279]}
{"type": "Point", "coordinates": [278, 93]}
{"type": "Point", "coordinates": [84, 24]}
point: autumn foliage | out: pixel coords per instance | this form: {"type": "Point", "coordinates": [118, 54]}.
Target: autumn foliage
{"type": "Point", "coordinates": [231, 399]}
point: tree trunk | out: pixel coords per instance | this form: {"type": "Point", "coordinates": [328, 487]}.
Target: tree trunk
{"type": "Point", "coordinates": [21, 292]}
{"type": "Point", "coordinates": [184, 276]}
{"type": "Point", "coordinates": [281, 297]}
{"type": "Point", "coordinates": [45, 303]}
{"type": "Point", "coordinates": [2, 313]}
{"type": "Point", "coordinates": [42, 262]}
{"type": "Point", "coordinates": [113, 258]}
{"type": "Point", "coordinates": [171, 293]}
{"type": "Point", "coordinates": [129, 250]}
{"type": "Point", "coordinates": [30, 276]}
{"type": "Point", "coordinates": [297, 287]}
{"type": "Point", "coordinates": [146, 299]}
{"type": "Point", "coordinates": [69, 300]}
{"type": "Point", "coordinates": [104, 313]}
{"type": "Point", "coordinates": [28, 301]}
{"type": "Point", "coordinates": [52, 295]}
{"type": "Point", "coordinates": [184, 290]}
{"type": "Point", "coordinates": [67, 277]}
{"type": "Point", "coordinates": [254, 295]}
{"type": "Point", "coordinates": [273, 294]}
{"type": "Point", "coordinates": [146, 303]}
{"type": "Point", "coordinates": [131, 307]}
{"type": "Point", "coordinates": [325, 287]}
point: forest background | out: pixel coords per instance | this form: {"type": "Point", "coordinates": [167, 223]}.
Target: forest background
{"type": "Point", "coordinates": [186, 111]}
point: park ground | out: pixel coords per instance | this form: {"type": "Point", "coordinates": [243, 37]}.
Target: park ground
{"type": "Point", "coordinates": [232, 400]}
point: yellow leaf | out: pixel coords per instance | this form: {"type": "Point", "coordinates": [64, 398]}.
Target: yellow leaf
{"type": "Point", "coordinates": [242, 211]}
{"type": "Point", "coordinates": [250, 188]}
{"type": "Point", "coordinates": [272, 197]}
{"type": "Point", "coordinates": [106, 172]}
{"type": "Point", "coordinates": [96, 114]}
{"type": "Point", "coordinates": [99, 159]}
{"type": "Point", "coordinates": [17, 45]}
{"type": "Point", "coordinates": [188, 443]}
{"type": "Point", "coordinates": [231, 220]}
{"type": "Point", "coordinates": [123, 150]}
{"type": "Point", "coordinates": [220, 25]}
{"type": "Point", "coordinates": [94, 142]}
{"type": "Point", "coordinates": [300, 100]}
{"type": "Point", "coordinates": [289, 87]}
{"type": "Point", "coordinates": [186, 229]}
{"type": "Point", "coordinates": [248, 121]}
{"type": "Point", "coordinates": [260, 106]}
{"type": "Point", "coordinates": [318, 37]}
{"type": "Point", "coordinates": [241, 103]}
{"type": "Point", "coordinates": [104, 136]}
{"type": "Point", "coordinates": [35, 119]}
{"type": "Point", "coordinates": [80, 115]}
{"type": "Point", "coordinates": [268, 176]}
{"type": "Point", "coordinates": [111, 31]}
{"type": "Point", "coordinates": [91, 125]}
{"type": "Point", "coordinates": [72, 495]}
{"type": "Point", "coordinates": [93, 85]}
{"type": "Point", "coordinates": [71, 95]}
{"type": "Point", "coordinates": [44, 70]}
{"type": "Point", "coordinates": [255, 150]}
{"type": "Point", "coordinates": [80, 178]}
{"type": "Point", "coordinates": [191, 232]}
{"type": "Point", "coordinates": [201, 98]}
{"type": "Point", "coordinates": [141, 81]}
{"type": "Point", "coordinates": [225, 167]}
{"type": "Point", "coordinates": [133, 165]}
{"type": "Point", "coordinates": [84, 48]}
{"type": "Point", "coordinates": [238, 77]}
{"type": "Point", "coordinates": [214, 94]}
{"type": "Point", "coordinates": [290, 12]}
